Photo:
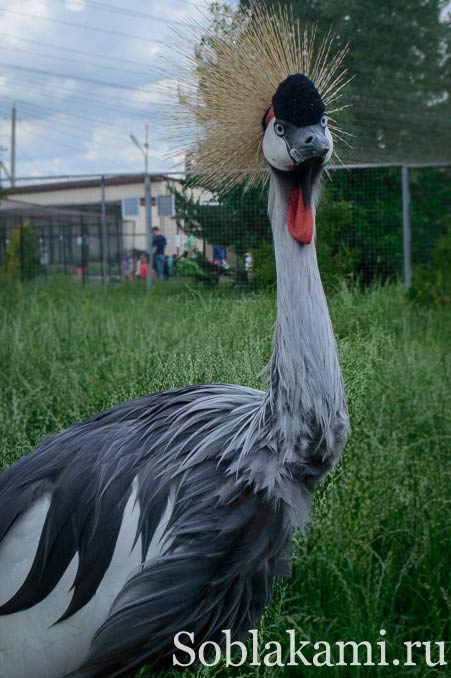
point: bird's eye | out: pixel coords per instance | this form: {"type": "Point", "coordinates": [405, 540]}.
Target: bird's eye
{"type": "Point", "coordinates": [279, 129]}
{"type": "Point", "coordinates": [324, 121]}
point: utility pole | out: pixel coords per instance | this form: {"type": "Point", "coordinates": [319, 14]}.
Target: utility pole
{"type": "Point", "coordinates": [13, 147]}
{"type": "Point", "coordinates": [144, 148]}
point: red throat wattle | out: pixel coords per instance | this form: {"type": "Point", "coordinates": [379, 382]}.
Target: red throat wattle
{"type": "Point", "coordinates": [300, 218]}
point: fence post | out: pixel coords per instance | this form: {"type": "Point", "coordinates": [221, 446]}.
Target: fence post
{"type": "Point", "coordinates": [406, 226]}
{"type": "Point", "coordinates": [119, 243]}
{"type": "Point", "coordinates": [64, 250]}
{"type": "Point", "coordinates": [83, 252]}
{"type": "Point", "coordinates": [148, 194]}
{"type": "Point", "coordinates": [21, 252]}
{"type": "Point", "coordinates": [104, 235]}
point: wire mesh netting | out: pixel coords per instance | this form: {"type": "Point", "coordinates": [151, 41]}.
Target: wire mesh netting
{"type": "Point", "coordinates": [38, 241]}
{"type": "Point", "coordinates": [213, 238]}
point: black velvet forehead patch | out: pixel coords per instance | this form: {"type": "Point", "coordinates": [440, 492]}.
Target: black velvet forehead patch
{"type": "Point", "coordinates": [298, 101]}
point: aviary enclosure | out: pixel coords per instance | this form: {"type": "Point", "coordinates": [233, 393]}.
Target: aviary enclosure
{"type": "Point", "coordinates": [215, 517]}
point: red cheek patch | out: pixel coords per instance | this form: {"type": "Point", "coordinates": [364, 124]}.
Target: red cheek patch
{"type": "Point", "coordinates": [269, 116]}
{"type": "Point", "coordinates": [300, 219]}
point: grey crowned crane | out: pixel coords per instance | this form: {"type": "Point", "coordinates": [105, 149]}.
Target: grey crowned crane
{"type": "Point", "coordinates": [176, 511]}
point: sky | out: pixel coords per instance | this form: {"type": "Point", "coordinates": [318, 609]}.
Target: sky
{"type": "Point", "coordinates": [84, 75]}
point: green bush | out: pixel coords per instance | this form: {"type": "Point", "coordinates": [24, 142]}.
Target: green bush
{"type": "Point", "coordinates": [432, 283]}
{"type": "Point", "coordinates": [23, 260]}
{"type": "Point", "coordinates": [187, 268]}
{"type": "Point", "coordinates": [200, 270]}
{"type": "Point", "coordinates": [337, 260]}
{"type": "Point", "coordinates": [263, 272]}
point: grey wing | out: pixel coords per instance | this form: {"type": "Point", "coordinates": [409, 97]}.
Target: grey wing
{"type": "Point", "coordinates": [216, 574]}
{"type": "Point", "coordinates": [222, 543]}
{"type": "Point", "coordinates": [88, 472]}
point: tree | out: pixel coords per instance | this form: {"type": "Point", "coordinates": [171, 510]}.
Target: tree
{"type": "Point", "coordinates": [23, 259]}
{"type": "Point", "coordinates": [234, 219]}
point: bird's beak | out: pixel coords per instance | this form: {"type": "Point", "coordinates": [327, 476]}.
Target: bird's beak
{"type": "Point", "coordinates": [308, 147]}
{"type": "Point", "coordinates": [307, 143]}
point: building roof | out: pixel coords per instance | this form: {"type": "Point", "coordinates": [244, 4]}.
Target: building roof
{"type": "Point", "coordinates": [68, 185]}
{"type": "Point", "coordinates": [10, 207]}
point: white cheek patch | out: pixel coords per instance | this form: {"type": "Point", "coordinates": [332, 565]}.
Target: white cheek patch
{"type": "Point", "coordinates": [275, 149]}
{"type": "Point", "coordinates": [331, 146]}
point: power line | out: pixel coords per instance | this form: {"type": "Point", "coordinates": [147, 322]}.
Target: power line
{"type": "Point", "coordinates": [112, 9]}
{"type": "Point", "coordinates": [41, 110]}
{"type": "Point", "coordinates": [82, 27]}
{"type": "Point", "coordinates": [75, 61]}
{"type": "Point", "coordinates": [139, 111]}
{"type": "Point", "coordinates": [37, 116]}
{"type": "Point", "coordinates": [60, 128]}
{"type": "Point", "coordinates": [62, 140]}
{"type": "Point", "coordinates": [64, 48]}
{"type": "Point", "coordinates": [67, 145]}
{"type": "Point", "coordinates": [59, 132]}
{"type": "Point", "coordinates": [65, 76]}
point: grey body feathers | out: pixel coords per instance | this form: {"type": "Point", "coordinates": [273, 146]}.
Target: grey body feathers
{"type": "Point", "coordinates": [238, 465]}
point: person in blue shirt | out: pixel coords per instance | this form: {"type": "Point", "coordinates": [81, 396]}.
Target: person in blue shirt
{"type": "Point", "coordinates": [218, 255]}
{"type": "Point", "coordinates": [158, 245]}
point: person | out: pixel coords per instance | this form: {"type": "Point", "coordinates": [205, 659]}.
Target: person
{"type": "Point", "coordinates": [131, 267]}
{"type": "Point", "coordinates": [126, 266]}
{"type": "Point", "coordinates": [218, 255]}
{"type": "Point", "coordinates": [144, 265]}
{"type": "Point", "coordinates": [168, 266]}
{"type": "Point", "coordinates": [190, 246]}
{"type": "Point", "coordinates": [137, 263]}
{"type": "Point", "coordinates": [158, 245]}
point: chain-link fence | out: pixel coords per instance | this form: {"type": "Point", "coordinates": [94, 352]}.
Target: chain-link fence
{"type": "Point", "coordinates": [373, 223]}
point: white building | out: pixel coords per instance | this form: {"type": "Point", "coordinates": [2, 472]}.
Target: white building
{"type": "Point", "coordinates": [85, 194]}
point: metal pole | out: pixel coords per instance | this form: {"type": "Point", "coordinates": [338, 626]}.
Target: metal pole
{"type": "Point", "coordinates": [148, 190]}
{"type": "Point", "coordinates": [83, 252]}
{"type": "Point", "coordinates": [13, 147]}
{"type": "Point", "coordinates": [21, 252]}
{"type": "Point", "coordinates": [406, 226]}
{"type": "Point", "coordinates": [146, 149]}
{"type": "Point", "coordinates": [64, 251]}
{"type": "Point", "coordinates": [148, 193]}
{"type": "Point", "coordinates": [104, 234]}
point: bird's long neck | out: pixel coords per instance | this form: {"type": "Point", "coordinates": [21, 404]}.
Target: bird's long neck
{"type": "Point", "coordinates": [306, 390]}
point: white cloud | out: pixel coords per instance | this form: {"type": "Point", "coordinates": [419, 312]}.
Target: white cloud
{"type": "Point", "coordinates": [157, 92]}
{"type": "Point", "coordinates": [105, 147]}
{"type": "Point", "coordinates": [58, 88]}
{"type": "Point", "coordinates": [23, 23]}
{"type": "Point", "coordinates": [75, 5]}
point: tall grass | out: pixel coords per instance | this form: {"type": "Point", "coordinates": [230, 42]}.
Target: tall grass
{"type": "Point", "coordinates": [377, 551]}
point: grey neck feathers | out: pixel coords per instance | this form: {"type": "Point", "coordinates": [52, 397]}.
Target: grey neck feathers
{"type": "Point", "coordinates": [306, 395]}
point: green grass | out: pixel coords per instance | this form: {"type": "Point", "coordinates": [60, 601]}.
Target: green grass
{"type": "Point", "coordinates": [377, 552]}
